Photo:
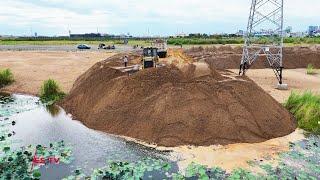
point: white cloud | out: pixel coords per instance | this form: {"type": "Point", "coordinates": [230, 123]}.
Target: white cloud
{"type": "Point", "coordinates": [87, 15]}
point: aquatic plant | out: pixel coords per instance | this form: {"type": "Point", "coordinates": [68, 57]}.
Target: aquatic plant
{"type": "Point", "coordinates": [50, 92]}
{"type": "Point", "coordinates": [127, 170]}
{"type": "Point", "coordinates": [6, 77]}
{"type": "Point", "coordinates": [19, 163]}
{"type": "Point", "coordinates": [306, 108]}
{"type": "Point", "coordinates": [301, 162]}
{"type": "Point", "coordinates": [310, 69]}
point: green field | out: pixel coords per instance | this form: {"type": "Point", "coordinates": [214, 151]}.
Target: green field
{"type": "Point", "coordinates": [239, 40]}
{"type": "Point", "coordinates": [171, 41]}
{"type": "Point", "coordinates": [71, 42]}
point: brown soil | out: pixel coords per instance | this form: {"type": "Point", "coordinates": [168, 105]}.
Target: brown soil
{"type": "Point", "coordinates": [31, 68]}
{"type": "Point", "coordinates": [193, 105]}
{"type": "Point", "coordinates": [227, 57]}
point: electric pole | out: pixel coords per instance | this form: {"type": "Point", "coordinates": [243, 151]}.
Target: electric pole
{"type": "Point", "coordinates": [264, 36]}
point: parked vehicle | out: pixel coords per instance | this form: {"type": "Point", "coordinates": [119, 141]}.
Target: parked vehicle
{"type": "Point", "coordinates": [83, 46]}
{"type": "Point", "coordinates": [103, 46]}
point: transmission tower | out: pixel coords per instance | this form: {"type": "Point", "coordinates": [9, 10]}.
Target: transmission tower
{"type": "Point", "coordinates": [264, 36]}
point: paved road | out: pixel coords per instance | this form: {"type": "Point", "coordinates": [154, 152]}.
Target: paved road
{"type": "Point", "coordinates": [119, 48]}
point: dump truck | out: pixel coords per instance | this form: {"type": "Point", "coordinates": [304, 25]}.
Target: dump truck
{"type": "Point", "coordinates": [161, 45]}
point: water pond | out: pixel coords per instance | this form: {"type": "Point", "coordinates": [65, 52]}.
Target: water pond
{"type": "Point", "coordinates": [35, 124]}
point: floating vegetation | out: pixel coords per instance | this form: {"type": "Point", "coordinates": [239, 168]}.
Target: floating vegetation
{"type": "Point", "coordinates": [301, 162]}
{"type": "Point", "coordinates": [15, 104]}
{"type": "Point", "coordinates": [24, 162]}
{"type": "Point", "coordinates": [129, 170]}
{"type": "Point", "coordinates": [21, 163]}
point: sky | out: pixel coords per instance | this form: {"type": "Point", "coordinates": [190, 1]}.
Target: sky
{"type": "Point", "coordinates": [141, 17]}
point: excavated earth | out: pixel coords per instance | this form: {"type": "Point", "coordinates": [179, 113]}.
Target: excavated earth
{"type": "Point", "coordinates": [227, 57]}
{"type": "Point", "coordinates": [170, 106]}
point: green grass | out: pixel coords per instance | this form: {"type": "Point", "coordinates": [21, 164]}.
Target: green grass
{"type": "Point", "coordinates": [50, 92]}
{"type": "Point", "coordinates": [72, 42]}
{"type": "Point", "coordinates": [311, 70]}
{"type": "Point", "coordinates": [306, 108]}
{"type": "Point", "coordinates": [201, 41]}
{"type": "Point", "coordinates": [6, 77]}
{"type": "Point", "coordinates": [239, 40]}
{"type": "Point", "coordinates": [54, 42]}
{"type": "Point", "coordinates": [289, 41]}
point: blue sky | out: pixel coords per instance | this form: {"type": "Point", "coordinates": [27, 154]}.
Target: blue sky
{"type": "Point", "coordinates": [161, 17]}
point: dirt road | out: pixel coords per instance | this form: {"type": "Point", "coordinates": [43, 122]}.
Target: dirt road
{"type": "Point", "coordinates": [31, 68]}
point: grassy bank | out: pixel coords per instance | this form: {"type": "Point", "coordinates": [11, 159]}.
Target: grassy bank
{"type": "Point", "coordinates": [306, 108]}
{"type": "Point", "coordinates": [6, 77]}
{"type": "Point", "coordinates": [50, 92]}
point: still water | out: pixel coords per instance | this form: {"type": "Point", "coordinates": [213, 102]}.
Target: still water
{"type": "Point", "coordinates": [37, 124]}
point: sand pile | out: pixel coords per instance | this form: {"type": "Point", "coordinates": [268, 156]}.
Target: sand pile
{"type": "Point", "coordinates": [227, 57]}
{"type": "Point", "coordinates": [194, 105]}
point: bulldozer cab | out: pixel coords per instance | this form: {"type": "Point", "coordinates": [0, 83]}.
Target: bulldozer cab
{"type": "Point", "coordinates": [150, 52]}
{"type": "Point", "coordinates": [150, 57]}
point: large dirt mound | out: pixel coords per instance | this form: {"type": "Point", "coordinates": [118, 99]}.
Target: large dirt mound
{"type": "Point", "coordinates": [227, 57]}
{"type": "Point", "coordinates": [194, 105]}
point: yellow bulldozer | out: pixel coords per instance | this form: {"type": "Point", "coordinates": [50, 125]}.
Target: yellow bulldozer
{"type": "Point", "coordinates": [150, 57]}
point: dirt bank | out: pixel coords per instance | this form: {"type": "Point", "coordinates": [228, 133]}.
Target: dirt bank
{"type": "Point", "coordinates": [227, 57]}
{"type": "Point", "coordinates": [31, 68]}
{"type": "Point", "coordinates": [194, 105]}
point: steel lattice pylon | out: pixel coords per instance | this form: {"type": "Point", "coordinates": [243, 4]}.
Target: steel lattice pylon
{"type": "Point", "coordinates": [264, 36]}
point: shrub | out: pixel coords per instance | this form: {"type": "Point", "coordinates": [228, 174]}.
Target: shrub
{"type": "Point", "coordinates": [306, 108]}
{"type": "Point", "coordinates": [50, 92]}
{"type": "Point", "coordinates": [310, 69]}
{"type": "Point", "coordinates": [6, 77]}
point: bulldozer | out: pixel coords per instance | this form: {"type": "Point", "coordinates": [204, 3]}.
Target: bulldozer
{"type": "Point", "coordinates": [150, 57]}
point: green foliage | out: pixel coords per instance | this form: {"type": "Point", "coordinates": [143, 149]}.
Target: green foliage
{"type": "Point", "coordinates": [198, 41]}
{"type": "Point", "coordinates": [50, 92]}
{"type": "Point", "coordinates": [126, 170]}
{"type": "Point", "coordinates": [201, 40]}
{"type": "Point", "coordinates": [6, 77]}
{"type": "Point", "coordinates": [196, 170]}
{"type": "Point", "coordinates": [310, 69]}
{"type": "Point", "coordinates": [16, 163]}
{"type": "Point", "coordinates": [301, 162]}
{"type": "Point", "coordinates": [306, 108]}
{"type": "Point", "coordinates": [241, 174]}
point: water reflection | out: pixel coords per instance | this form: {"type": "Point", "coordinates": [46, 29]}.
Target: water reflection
{"type": "Point", "coordinates": [54, 110]}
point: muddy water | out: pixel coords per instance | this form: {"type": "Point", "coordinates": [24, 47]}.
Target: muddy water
{"type": "Point", "coordinates": [36, 124]}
